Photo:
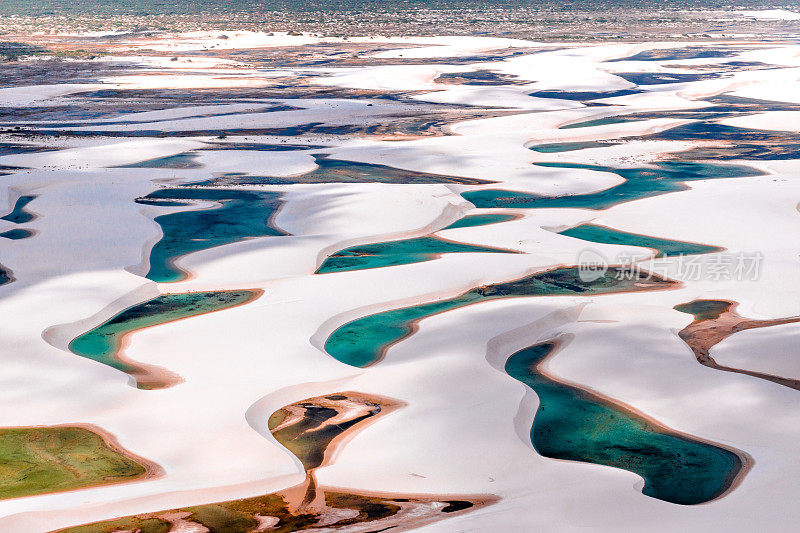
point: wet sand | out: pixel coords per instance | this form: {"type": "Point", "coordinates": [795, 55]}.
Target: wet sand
{"type": "Point", "coordinates": [711, 327]}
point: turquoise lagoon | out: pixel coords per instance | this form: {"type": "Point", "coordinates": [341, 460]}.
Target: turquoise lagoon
{"type": "Point", "coordinates": [102, 343]}
{"type": "Point", "coordinates": [471, 221]}
{"type": "Point", "coordinates": [363, 341]}
{"type": "Point", "coordinates": [401, 252]}
{"type": "Point", "coordinates": [238, 215]}
{"type": "Point", "coordinates": [555, 148]}
{"type": "Point", "coordinates": [577, 425]}
{"type": "Point", "coordinates": [639, 183]}
{"type": "Point", "coordinates": [665, 247]}
{"type": "Point", "coordinates": [596, 122]}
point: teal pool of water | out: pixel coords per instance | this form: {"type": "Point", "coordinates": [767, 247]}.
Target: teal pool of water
{"type": "Point", "coordinates": [639, 183]}
{"type": "Point", "coordinates": [577, 425]}
{"type": "Point", "coordinates": [596, 122]}
{"type": "Point", "coordinates": [554, 148]}
{"type": "Point", "coordinates": [239, 215]}
{"type": "Point", "coordinates": [363, 341]}
{"type": "Point", "coordinates": [392, 253]}
{"type": "Point", "coordinates": [178, 161]}
{"type": "Point", "coordinates": [471, 221]}
{"type": "Point", "coordinates": [665, 247]}
{"type": "Point", "coordinates": [19, 215]}
{"type": "Point", "coordinates": [102, 343]}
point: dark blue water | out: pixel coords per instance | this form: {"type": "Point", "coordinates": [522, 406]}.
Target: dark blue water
{"type": "Point", "coordinates": [679, 54]}
{"type": "Point", "coordinates": [19, 214]}
{"type": "Point", "coordinates": [237, 215]}
{"type": "Point", "coordinates": [16, 234]}
{"type": "Point", "coordinates": [5, 276]}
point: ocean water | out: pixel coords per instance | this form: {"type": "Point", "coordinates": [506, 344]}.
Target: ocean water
{"type": "Point", "coordinates": [522, 18]}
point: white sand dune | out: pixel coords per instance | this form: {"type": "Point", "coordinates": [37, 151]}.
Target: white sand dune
{"type": "Point", "coordinates": [773, 14]}
{"type": "Point", "coordinates": [769, 350]}
{"type": "Point", "coordinates": [774, 120]}
{"type": "Point", "coordinates": [108, 154]}
{"type": "Point", "coordinates": [466, 425]}
{"type": "Point", "coordinates": [41, 94]}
